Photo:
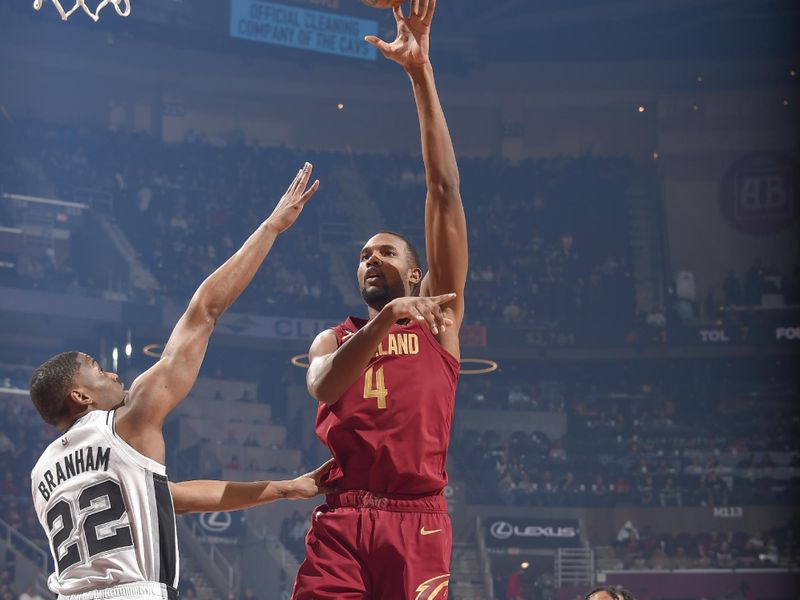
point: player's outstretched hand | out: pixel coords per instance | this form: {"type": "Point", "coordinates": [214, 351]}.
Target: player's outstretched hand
{"type": "Point", "coordinates": [308, 485]}
{"type": "Point", "coordinates": [410, 47]}
{"type": "Point", "coordinates": [291, 204]}
{"type": "Point", "coordinates": [427, 309]}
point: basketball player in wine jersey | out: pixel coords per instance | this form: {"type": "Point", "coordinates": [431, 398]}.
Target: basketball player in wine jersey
{"type": "Point", "coordinates": [100, 490]}
{"type": "Point", "coordinates": [386, 385]}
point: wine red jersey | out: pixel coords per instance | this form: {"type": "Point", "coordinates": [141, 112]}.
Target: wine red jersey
{"type": "Point", "coordinates": [389, 432]}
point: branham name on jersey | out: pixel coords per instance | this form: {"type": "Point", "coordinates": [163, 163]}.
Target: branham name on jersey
{"type": "Point", "coordinates": [70, 465]}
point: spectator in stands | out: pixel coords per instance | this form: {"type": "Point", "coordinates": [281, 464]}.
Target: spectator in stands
{"type": "Point", "coordinates": [186, 585]}
{"type": "Point", "coordinates": [30, 594]}
{"type": "Point", "coordinates": [703, 560]}
{"type": "Point", "coordinates": [557, 452]}
{"type": "Point", "coordinates": [514, 586]}
{"type": "Point", "coordinates": [745, 593]}
{"type": "Point", "coordinates": [500, 587]}
{"type": "Point", "coordinates": [681, 560]}
{"type": "Point", "coordinates": [7, 447]}
{"type": "Point", "coordinates": [724, 557]}
{"type": "Point", "coordinates": [507, 488]}
{"type": "Point", "coordinates": [517, 398]}
{"type": "Point", "coordinates": [646, 491]}
{"type": "Point", "coordinates": [732, 290]}
{"type": "Point", "coordinates": [627, 534]}
{"type": "Point", "coordinates": [514, 311]}
{"type": "Point", "coordinates": [670, 495]}
{"type": "Point", "coordinates": [525, 490]}
{"type": "Point", "coordinates": [297, 533]}
{"type": "Point", "coordinates": [8, 486]}
{"type": "Point", "coordinates": [622, 488]}
{"type": "Point", "coordinates": [715, 490]}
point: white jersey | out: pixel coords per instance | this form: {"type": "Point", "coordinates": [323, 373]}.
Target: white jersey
{"type": "Point", "coordinates": [108, 514]}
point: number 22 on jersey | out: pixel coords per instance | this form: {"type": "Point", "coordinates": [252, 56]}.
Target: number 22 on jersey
{"type": "Point", "coordinates": [104, 528]}
{"type": "Point", "coordinates": [379, 390]}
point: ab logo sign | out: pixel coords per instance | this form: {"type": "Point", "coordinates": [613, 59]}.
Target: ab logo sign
{"type": "Point", "coordinates": [758, 193]}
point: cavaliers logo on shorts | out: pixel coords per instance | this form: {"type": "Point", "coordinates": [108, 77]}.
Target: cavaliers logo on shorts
{"type": "Point", "coordinates": [433, 588]}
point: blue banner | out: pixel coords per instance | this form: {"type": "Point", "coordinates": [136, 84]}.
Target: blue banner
{"type": "Point", "coordinates": [296, 27]}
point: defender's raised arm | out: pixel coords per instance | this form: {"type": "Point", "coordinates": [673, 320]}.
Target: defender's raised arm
{"type": "Point", "coordinates": [159, 389]}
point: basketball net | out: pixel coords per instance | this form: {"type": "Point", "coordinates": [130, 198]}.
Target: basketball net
{"type": "Point", "coordinates": [123, 8]}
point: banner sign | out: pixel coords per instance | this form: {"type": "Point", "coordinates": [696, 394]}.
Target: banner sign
{"type": "Point", "coordinates": [258, 326]}
{"type": "Point", "coordinates": [532, 534]}
{"type": "Point", "coordinates": [761, 333]}
{"type": "Point", "coordinates": [296, 27]}
{"type": "Point", "coordinates": [758, 194]}
{"type": "Point", "coordinates": [219, 527]}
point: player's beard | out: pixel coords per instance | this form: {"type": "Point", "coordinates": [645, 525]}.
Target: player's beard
{"type": "Point", "coordinates": [378, 297]}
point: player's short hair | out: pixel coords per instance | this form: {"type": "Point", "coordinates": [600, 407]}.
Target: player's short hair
{"type": "Point", "coordinates": [615, 592]}
{"type": "Point", "coordinates": [412, 251]}
{"type": "Point", "coordinates": [50, 386]}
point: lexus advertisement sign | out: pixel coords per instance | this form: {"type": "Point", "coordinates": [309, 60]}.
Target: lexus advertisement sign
{"type": "Point", "coordinates": [533, 534]}
{"type": "Point", "coordinates": [219, 527]}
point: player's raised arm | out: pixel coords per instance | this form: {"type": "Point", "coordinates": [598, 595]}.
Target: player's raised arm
{"type": "Point", "coordinates": [159, 389]}
{"type": "Point", "coordinates": [223, 496]}
{"type": "Point", "coordinates": [445, 223]}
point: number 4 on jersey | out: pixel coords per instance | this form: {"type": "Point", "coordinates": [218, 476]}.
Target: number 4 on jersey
{"type": "Point", "coordinates": [379, 391]}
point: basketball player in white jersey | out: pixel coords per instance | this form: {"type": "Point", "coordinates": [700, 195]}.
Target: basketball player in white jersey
{"type": "Point", "coordinates": [100, 490]}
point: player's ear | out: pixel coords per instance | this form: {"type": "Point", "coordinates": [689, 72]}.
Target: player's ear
{"type": "Point", "coordinates": [78, 397]}
{"type": "Point", "coordinates": [414, 276]}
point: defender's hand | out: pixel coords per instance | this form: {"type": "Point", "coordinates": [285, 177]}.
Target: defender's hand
{"type": "Point", "coordinates": [307, 486]}
{"type": "Point", "coordinates": [410, 47]}
{"type": "Point", "coordinates": [427, 309]}
{"type": "Point", "coordinates": [291, 204]}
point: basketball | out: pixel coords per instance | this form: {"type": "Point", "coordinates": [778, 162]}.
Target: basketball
{"type": "Point", "coordinates": [383, 3]}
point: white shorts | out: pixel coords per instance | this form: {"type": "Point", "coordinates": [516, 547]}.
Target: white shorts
{"type": "Point", "coordinates": [128, 591]}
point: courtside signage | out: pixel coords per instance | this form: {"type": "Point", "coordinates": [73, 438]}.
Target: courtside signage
{"type": "Point", "coordinates": [296, 27]}
{"type": "Point", "coordinates": [219, 527]}
{"type": "Point", "coordinates": [506, 532]}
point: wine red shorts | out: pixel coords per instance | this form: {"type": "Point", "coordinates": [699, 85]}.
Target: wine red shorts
{"type": "Point", "coordinates": [362, 546]}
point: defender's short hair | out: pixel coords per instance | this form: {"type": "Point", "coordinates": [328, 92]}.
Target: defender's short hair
{"type": "Point", "coordinates": [50, 385]}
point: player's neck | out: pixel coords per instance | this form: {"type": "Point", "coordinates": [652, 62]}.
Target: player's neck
{"type": "Point", "coordinates": [66, 424]}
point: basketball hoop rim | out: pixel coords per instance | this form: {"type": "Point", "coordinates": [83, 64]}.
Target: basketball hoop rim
{"type": "Point", "coordinates": [122, 8]}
